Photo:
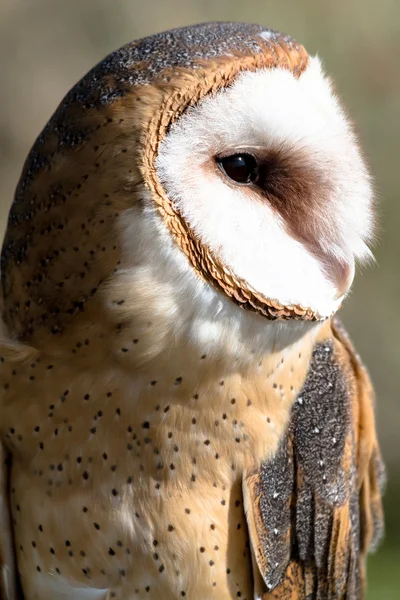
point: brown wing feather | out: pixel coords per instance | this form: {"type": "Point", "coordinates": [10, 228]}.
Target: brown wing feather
{"type": "Point", "coordinates": [315, 509]}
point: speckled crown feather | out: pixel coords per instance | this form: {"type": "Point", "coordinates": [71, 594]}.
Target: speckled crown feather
{"type": "Point", "coordinates": [89, 163]}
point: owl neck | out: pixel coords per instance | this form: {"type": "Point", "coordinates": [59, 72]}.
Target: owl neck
{"type": "Point", "coordinates": [156, 310]}
{"type": "Point", "coordinates": [152, 329]}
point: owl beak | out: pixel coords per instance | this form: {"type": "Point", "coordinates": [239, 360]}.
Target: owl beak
{"type": "Point", "coordinates": [344, 275]}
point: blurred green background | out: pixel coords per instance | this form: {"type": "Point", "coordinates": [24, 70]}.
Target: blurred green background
{"type": "Point", "coordinates": [47, 45]}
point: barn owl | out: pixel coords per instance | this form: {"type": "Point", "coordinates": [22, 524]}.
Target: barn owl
{"type": "Point", "coordinates": [181, 414]}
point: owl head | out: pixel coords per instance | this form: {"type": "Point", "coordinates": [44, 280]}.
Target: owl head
{"type": "Point", "coordinates": [204, 182]}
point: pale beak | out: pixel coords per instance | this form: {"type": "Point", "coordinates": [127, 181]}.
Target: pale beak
{"type": "Point", "coordinates": [344, 275]}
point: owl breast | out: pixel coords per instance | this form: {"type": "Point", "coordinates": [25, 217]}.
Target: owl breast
{"type": "Point", "coordinates": [134, 479]}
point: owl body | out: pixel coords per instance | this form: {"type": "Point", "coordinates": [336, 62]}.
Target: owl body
{"type": "Point", "coordinates": [180, 414]}
{"type": "Point", "coordinates": [153, 480]}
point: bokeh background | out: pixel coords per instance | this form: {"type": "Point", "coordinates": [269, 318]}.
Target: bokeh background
{"type": "Point", "coordinates": [47, 45]}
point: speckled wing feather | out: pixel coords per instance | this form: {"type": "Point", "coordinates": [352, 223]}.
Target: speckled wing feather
{"type": "Point", "coordinates": [8, 586]}
{"type": "Point", "coordinates": [314, 510]}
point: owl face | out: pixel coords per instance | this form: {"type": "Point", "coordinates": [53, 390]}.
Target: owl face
{"type": "Point", "coordinates": [268, 177]}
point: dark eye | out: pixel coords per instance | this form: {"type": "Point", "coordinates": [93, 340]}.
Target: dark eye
{"type": "Point", "coordinates": [239, 167]}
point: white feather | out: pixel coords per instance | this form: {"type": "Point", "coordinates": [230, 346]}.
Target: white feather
{"type": "Point", "coordinates": [161, 283]}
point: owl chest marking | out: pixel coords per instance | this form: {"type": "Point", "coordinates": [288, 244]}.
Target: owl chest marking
{"type": "Point", "coordinates": [146, 476]}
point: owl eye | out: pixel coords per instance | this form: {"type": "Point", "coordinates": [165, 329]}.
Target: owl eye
{"type": "Point", "coordinates": [239, 167]}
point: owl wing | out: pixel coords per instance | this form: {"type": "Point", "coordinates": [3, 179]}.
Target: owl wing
{"type": "Point", "coordinates": [8, 578]}
{"type": "Point", "coordinates": [314, 510]}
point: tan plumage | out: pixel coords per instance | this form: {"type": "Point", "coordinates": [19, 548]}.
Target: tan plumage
{"type": "Point", "coordinates": [143, 436]}
{"type": "Point", "coordinates": [322, 548]}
